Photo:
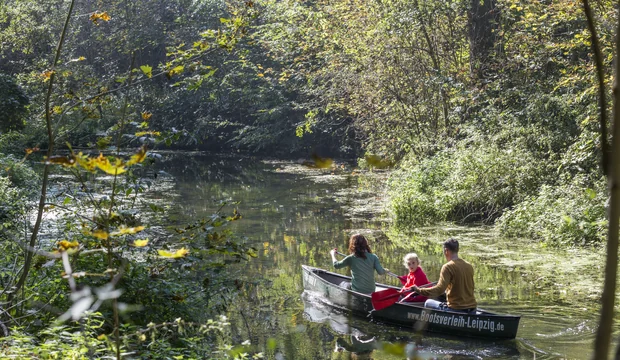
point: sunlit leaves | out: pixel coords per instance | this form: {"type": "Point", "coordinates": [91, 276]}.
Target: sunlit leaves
{"type": "Point", "coordinates": [46, 75]}
{"type": "Point", "coordinates": [114, 167]}
{"type": "Point", "coordinates": [173, 255]}
{"type": "Point", "coordinates": [97, 16]}
{"type": "Point", "coordinates": [65, 245]}
{"type": "Point", "coordinates": [146, 115]}
{"type": "Point", "coordinates": [109, 165]}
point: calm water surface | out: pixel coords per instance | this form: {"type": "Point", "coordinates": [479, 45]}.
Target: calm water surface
{"type": "Point", "coordinates": [294, 215]}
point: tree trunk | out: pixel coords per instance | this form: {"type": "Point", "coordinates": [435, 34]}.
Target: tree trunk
{"type": "Point", "coordinates": [612, 170]}
{"type": "Point", "coordinates": [482, 20]}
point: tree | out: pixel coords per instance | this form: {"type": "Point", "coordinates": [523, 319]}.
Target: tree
{"type": "Point", "coordinates": [482, 20]}
{"type": "Point", "coordinates": [12, 104]}
{"type": "Point", "coordinates": [610, 164]}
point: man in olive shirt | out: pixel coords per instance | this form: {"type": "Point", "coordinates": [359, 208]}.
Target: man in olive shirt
{"type": "Point", "coordinates": [456, 279]}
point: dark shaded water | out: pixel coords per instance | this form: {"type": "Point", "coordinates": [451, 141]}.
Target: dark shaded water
{"type": "Point", "coordinates": [293, 215]}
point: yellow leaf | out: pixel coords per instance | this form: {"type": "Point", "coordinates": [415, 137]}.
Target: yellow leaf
{"type": "Point", "coordinates": [96, 16]}
{"type": "Point", "coordinates": [146, 115]}
{"type": "Point", "coordinates": [65, 245]}
{"type": "Point", "coordinates": [147, 70]}
{"type": "Point", "coordinates": [260, 75]}
{"type": "Point", "coordinates": [127, 231]}
{"type": "Point", "coordinates": [142, 133]}
{"type": "Point", "coordinates": [47, 74]}
{"type": "Point", "coordinates": [106, 166]}
{"type": "Point", "coordinates": [175, 255]}
{"type": "Point", "coordinates": [137, 157]}
{"type": "Point", "coordinates": [57, 109]}
{"type": "Point", "coordinates": [60, 160]}
{"type": "Point", "coordinates": [85, 162]}
{"type": "Point", "coordinates": [141, 243]}
{"type": "Point", "coordinates": [100, 234]}
{"type": "Point", "coordinates": [81, 58]}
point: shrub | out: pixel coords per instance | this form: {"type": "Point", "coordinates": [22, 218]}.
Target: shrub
{"type": "Point", "coordinates": [10, 205]}
{"type": "Point", "coordinates": [471, 182]}
{"type": "Point", "coordinates": [19, 173]}
{"type": "Point", "coordinates": [571, 214]}
{"type": "Point", "coordinates": [13, 103]}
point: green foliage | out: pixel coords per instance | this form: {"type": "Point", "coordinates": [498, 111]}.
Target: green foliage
{"type": "Point", "coordinates": [21, 175]}
{"type": "Point", "coordinates": [177, 339]}
{"type": "Point", "coordinates": [11, 204]}
{"type": "Point", "coordinates": [12, 104]}
{"type": "Point", "coordinates": [471, 182]}
{"type": "Point", "coordinates": [565, 215]}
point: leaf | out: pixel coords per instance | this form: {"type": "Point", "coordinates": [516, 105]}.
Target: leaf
{"type": "Point", "coordinates": [153, 133]}
{"type": "Point", "coordinates": [104, 164]}
{"type": "Point", "coordinates": [127, 231]}
{"type": "Point", "coordinates": [175, 255]}
{"type": "Point", "coordinates": [97, 15]}
{"type": "Point", "coordinates": [141, 243]}
{"type": "Point", "coordinates": [86, 162]}
{"type": "Point", "coordinates": [103, 142]}
{"type": "Point", "coordinates": [60, 160]}
{"type": "Point", "coordinates": [146, 115]}
{"type": "Point", "coordinates": [176, 70]}
{"type": "Point", "coordinates": [137, 157]}
{"type": "Point", "coordinates": [147, 70]}
{"type": "Point", "coordinates": [66, 245]}
{"type": "Point", "coordinates": [100, 234]}
{"type": "Point", "coordinates": [46, 75]}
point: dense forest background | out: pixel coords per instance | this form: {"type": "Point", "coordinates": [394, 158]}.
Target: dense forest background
{"type": "Point", "coordinates": [486, 111]}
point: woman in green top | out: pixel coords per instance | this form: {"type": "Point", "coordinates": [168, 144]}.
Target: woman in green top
{"type": "Point", "coordinates": [363, 264]}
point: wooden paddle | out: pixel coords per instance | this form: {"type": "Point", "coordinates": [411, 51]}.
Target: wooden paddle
{"type": "Point", "coordinates": [388, 297]}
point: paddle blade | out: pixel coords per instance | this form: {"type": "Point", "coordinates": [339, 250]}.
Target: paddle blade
{"type": "Point", "coordinates": [382, 299]}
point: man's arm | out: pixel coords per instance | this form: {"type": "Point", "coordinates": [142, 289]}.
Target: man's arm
{"type": "Point", "coordinates": [444, 280]}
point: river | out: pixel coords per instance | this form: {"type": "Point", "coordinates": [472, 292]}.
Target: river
{"type": "Point", "coordinates": [294, 215]}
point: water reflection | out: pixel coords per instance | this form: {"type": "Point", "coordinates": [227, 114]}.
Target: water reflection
{"type": "Point", "coordinates": [294, 215]}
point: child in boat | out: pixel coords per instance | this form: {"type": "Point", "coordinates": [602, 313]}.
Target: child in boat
{"type": "Point", "coordinates": [416, 277]}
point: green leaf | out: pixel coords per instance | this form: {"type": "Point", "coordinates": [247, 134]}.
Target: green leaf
{"type": "Point", "coordinates": [147, 70]}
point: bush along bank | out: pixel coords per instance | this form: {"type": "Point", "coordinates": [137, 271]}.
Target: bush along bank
{"type": "Point", "coordinates": [553, 194]}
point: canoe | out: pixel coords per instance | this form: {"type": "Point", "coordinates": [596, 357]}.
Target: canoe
{"type": "Point", "coordinates": [480, 324]}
